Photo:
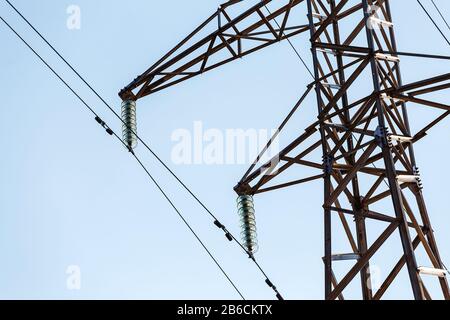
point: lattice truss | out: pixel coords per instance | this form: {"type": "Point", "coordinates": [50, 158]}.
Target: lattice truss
{"type": "Point", "coordinates": [235, 30]}
{"type": "Point", "coordinates": [361, 144]}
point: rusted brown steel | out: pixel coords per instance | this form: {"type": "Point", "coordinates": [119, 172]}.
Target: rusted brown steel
{"type": "Point", "coordinates": [363, 133]}
{"type": "Point", "coordinates": [184, 62]}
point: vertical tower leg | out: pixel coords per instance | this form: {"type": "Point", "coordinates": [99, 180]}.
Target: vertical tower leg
{"type": "Point", "coordinates": [369, 168]}
{"type": "Point", "coordinates": [391, 174]}
{"type": "Point", "coordinates": [360, 222]}
{"type": "Point", "coordinates": [418, 193]}
{"type": "Point", "coordinates": [327, 161]}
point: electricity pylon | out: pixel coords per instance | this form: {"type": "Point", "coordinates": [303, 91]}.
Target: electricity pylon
{"type": "Point", "coordinates": [362, 133]}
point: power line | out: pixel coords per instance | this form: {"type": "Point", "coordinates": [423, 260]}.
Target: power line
{"type": "Point", "coordinates": [221, 226]}
{"type": "Point", "coordinates": [434, 22]}
{"type": "Point", "coordinates": [120, 118]}
{"type": "Point", "coordinates": [110, 108]}
{"type": "Point", "coordinates": [187, 224]}
{"type": "Point", "coordinates": [111, 132]}
{"type": "Point", "coordinates": [440, 13]}
{"type": "Point", "coordinates": [448, 26]}
{"type": "Point", "coordinates": [397, 53]}
{"type": "Point", "coordinates": [291, 44]}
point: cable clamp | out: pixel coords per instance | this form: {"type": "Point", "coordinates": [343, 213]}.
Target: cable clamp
{"type": "Point", "coordinates": [104, 125]}
{"type": "Point", "coordinates": [218, 224]}
{"type": "Point", "coordinates": [328, 161]}
{"type": "Point", "coordinates": [221, 226]}
{"type": "Point", "coordinates": [271, 285]}
{"type": "Point", "coordinates": [381, 136]}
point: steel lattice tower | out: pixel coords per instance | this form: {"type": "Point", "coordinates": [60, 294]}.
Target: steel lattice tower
{"type": "Point", "coordinates": [362, 130]}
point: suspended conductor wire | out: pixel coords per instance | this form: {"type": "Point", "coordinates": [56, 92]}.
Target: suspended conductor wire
{"type": "Point", "coordinates": [443, 35]}
{"type": "Point", "coordinates": [228, 234]}
{"type": "Point", "coordinates": [306, 66]}
{"type": "Point", "coordinates": [434, 22]}
{"type": "Point", "coordinates": [448, 26]}
{"type": "Point", "coordinates": [292, 45]}
{"type": "Point", "coordinates": [440, 13]}
{"type": "Point", "coordinates": [115, 113]}
{"type": "Point", "coordinates": [111, 109]}
{"type": "Point", "coordinates": [109, 130]}
{"type": "Point", "coordinates": [443, 264]}
{"type": "Point", "coordinates": [187, 224]}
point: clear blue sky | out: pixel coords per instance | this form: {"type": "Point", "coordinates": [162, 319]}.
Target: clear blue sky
{"type": "Point", "coordinates": [70, 195]}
